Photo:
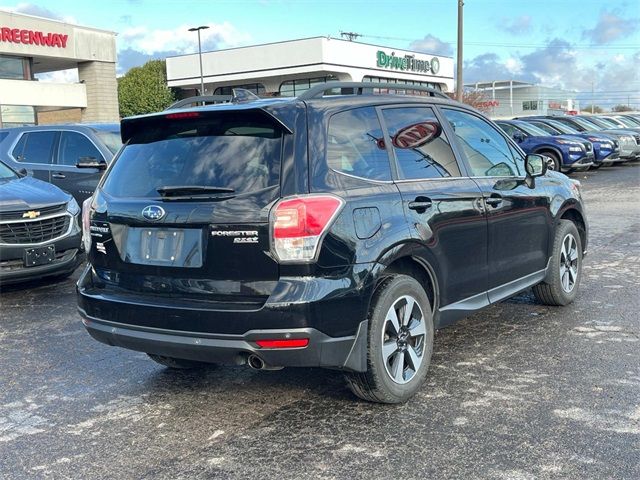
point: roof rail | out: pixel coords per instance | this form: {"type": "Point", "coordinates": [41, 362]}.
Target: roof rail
{"type": "Point", "coordinates": [359, 88]}
{"type": "Point", "coordinates": [203, 99]}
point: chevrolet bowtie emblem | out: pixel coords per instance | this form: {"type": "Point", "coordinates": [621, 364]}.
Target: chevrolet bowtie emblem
{"type": "Point", "coordinates": [31, 214]}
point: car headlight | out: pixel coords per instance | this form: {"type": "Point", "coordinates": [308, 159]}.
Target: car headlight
{"type": "Point", "coordinates": [72, 207]}
{"type": "Point", "coordinates": [626, 138]}
{"type": "Point", "coordinates": [575, 186]}
{"type": "Point", "coordinates": [576, 148]}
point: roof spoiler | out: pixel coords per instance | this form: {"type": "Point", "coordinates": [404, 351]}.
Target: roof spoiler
{"type": "Point", "coordinates": [366, 88]}
{"type": "Point", "coordinates": [132, 125]}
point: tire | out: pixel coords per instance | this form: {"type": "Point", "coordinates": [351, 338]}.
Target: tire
{"type": "Point", "coordinates": [178, 363]}
{"type": "Point", "coordinates": [561, 285]}
{"type": "Point", "coordinates": [392, 376]}
{"type": "Point", "coordinates": [595, 166]}
{"type": "Point", "coordinates": [557, 165]}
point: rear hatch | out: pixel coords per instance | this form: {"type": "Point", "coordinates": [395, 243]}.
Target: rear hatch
{"type": "Point", "coordinates": [183, 213]}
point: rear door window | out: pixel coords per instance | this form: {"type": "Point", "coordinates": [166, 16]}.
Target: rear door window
{"type": "Point", "coordinates": [238, 151]}
{"type": "Point", "coordinates": [355, 145]}
{"type": "Point", "coordinates": [35, 147]}
{"type": "Point", "coordinates": [74, 146]}
{"type": "Point", "coordinates": [421, 147]}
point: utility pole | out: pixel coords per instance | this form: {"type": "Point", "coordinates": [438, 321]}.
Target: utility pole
{"type": "Point", "coordinates": [351, 36]}
{"type": "Point", "coordinates": [459, 80]}
{"type": "Point", "coordinates": [197, 29]}
{"type": "Point", "coordinates": [592, 98]}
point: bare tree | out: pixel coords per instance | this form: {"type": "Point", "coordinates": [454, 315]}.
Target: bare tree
{"type": "Point", "coordinates": [477, 100]}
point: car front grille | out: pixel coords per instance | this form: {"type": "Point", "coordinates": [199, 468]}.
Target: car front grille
{"type": "Point", "coordinates": [34, 231]}
{"type": "Point", "coordinates": [588, 146]}
{"type": "Point", "coordinates": [636, 136]}
{"type": "Point", "coordinates": [43, 212]}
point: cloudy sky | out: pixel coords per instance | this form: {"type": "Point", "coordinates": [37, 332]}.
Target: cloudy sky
{"type": "Point", "coordinates": [574, 44]}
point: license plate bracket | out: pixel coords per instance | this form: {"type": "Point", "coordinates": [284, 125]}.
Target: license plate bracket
{"type": "Point", "coordinates": [34, 257]}
{"type": "Point", "coordinates": [164, 247]}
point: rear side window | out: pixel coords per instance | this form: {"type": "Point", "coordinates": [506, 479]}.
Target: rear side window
{"type": "Point", "coordinates": [74, 146]}
{"type": "Point", "coordinates": [232, 150]}
{"type": "Point", "coordinates": [419, 143]}
{"type": "Point", "coordinates": [35, 147]}
{"type": "Point", "coordinates": [355, 145]}
{"type": "Point", "coordinates": [547, 128]}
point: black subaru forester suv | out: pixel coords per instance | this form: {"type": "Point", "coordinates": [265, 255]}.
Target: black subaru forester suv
{"type": "Point", "coordinates": [333, 231]}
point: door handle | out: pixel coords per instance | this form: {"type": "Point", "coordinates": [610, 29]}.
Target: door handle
{"type": "Point", "coordinates": [420, 204]}
{"type": "Point", "coordinates": [494, 201]}
{"type": "Point", "coordinates": [58, 175]}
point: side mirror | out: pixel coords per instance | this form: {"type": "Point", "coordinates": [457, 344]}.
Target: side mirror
{"type": "Point", "coordinates": [91, 162]}
{"type": "Point", "coordinates": [518, 137]}
{"type": "Point", "coordinates": [535, 165]}
{"type": "Point", "coordinates": [23, 172]}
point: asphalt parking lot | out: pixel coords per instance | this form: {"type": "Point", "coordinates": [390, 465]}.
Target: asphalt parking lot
{"type": "Point", "coordinates": [518, 391]}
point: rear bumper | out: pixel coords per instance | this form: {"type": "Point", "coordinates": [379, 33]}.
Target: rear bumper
{"type": "Point", "coordinates": [329, 310]}
{"type": "Point", "coordinates": [322, 351]}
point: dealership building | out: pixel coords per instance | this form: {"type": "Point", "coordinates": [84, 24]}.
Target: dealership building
{"type": "Point", "coordinates": [32, 45]}
{"type": "Point", "coordinates": [291, 67]}
{"type": "Point", "coordinates": [511, 98]}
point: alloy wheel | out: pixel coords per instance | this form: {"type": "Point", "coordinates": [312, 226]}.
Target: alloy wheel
{"type": "Point", "coordinates": [403, 339]}
{"type": "Point", "coordinates": [569, 263]}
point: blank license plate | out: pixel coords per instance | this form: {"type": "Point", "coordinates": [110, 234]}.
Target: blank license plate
{"type": "Point", "coordinates": [39, 256]}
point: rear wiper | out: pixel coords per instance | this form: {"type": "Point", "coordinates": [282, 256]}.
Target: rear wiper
{"type": "Point", "coordinates": [189, 190]}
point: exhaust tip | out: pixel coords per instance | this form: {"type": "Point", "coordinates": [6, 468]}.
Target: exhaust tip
{"type": "Point", "coordinates": [255, 362]}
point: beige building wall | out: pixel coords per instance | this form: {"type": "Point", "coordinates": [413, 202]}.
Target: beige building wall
{"type": "Point", "coordinates": [100, 81]}
{"type": "Point", "coordinates": [52, 117]}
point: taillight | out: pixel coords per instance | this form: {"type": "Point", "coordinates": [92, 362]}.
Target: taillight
{"type": "Point", "coordinates": [86, 223]}
{"type": "Point", "coordinates": [299, 224]}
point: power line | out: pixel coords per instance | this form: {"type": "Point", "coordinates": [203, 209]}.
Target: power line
{"type": "Point", "coordinates": [629, 46]}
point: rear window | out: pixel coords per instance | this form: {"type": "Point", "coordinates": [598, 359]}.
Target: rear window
{"type": "Point", "coordinates": [232, 150]}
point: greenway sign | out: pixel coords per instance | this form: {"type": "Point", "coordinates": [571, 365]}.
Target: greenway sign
{"type": "Point", "coordinates": [409, 64]}
{"type": "Point", "coordinates": [30, 37]}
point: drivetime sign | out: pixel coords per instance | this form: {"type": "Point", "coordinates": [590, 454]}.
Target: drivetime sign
{"type": "Point", "coordinates": [410, 64]}
{"type": "Point", "coordinates": [30, 37]}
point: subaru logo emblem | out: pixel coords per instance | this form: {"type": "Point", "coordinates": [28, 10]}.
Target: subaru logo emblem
{"type": "Point", "coordinates": [153, 212]}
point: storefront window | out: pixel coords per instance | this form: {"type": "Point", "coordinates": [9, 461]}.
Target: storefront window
{"type": "Point", "coordinates": [14, 68]}
{"type": "Point", "coordinates": [293, 88]}
{"type": "Point", "coordinates": [530, 105]}
{"type": "Point", "coordinates": [17, 116]}
{"type": "Point", "coordinates": [256, 88]}
{"type": "Point", "coordinates": [400, 81]}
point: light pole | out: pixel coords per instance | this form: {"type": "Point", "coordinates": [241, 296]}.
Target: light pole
{"type": "Point", "coordinates": [459, 85]}
{"type": "Point", "coordinates": [197, 29]}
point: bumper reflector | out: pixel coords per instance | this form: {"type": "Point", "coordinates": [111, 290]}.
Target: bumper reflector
{"type": "Point", "coordinates": [284, 343]}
